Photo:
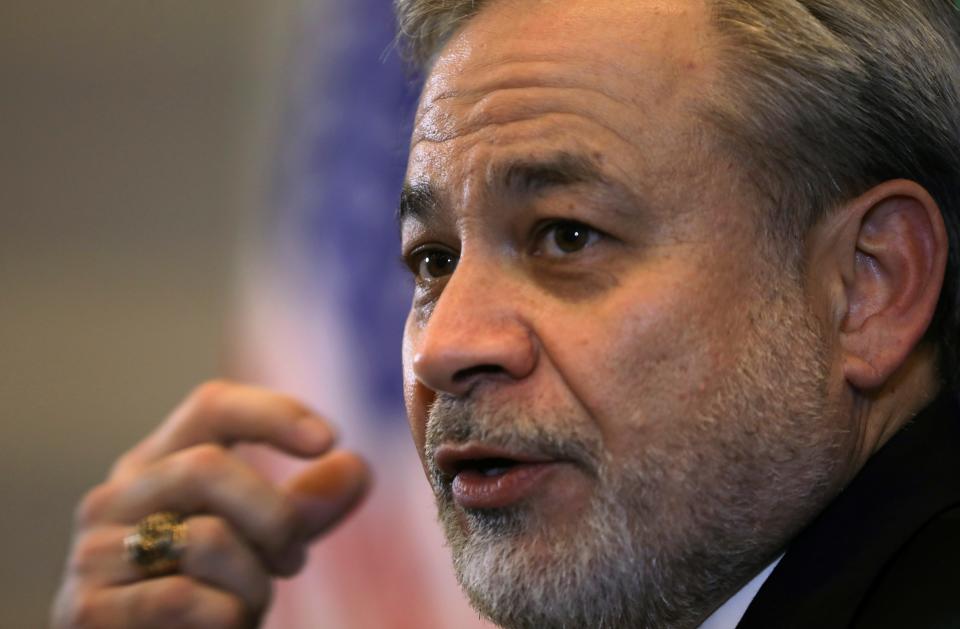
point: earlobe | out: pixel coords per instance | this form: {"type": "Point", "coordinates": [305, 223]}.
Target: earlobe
{"type": "Point", "coordinates": [895, 245]}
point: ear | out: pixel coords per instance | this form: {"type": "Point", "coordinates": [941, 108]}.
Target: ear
{"type": "Point", "coordinates": [890, 247]}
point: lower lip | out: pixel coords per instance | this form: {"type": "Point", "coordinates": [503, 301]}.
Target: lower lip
{"type": "Point", "coordinates": [473, 490]}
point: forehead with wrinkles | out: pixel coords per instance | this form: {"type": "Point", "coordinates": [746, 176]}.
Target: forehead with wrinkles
{"type": "Point", "coordinates": [638, 54]}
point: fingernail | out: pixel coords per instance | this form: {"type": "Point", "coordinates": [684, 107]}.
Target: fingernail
{"type": "Point", "coordinates": [314, 434]}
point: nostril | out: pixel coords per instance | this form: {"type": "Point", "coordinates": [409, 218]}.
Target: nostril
{"type": "Point", "coordinates": [478, 370]}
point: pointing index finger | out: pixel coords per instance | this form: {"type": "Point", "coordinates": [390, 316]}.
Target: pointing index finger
{"type": "Point", "coordinates": [227, 413]}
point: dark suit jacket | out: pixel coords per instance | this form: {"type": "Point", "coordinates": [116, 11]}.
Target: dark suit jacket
{"type": "Point", "coordinates": [886, 552]}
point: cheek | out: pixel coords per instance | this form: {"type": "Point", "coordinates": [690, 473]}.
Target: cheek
{"type": "Point", "coordinates": [417, 398]}
{"type": "Point", "coordinates": [648, 355]}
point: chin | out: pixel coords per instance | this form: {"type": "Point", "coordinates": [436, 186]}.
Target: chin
{"type": "Point", "coordinates": [524, 568]}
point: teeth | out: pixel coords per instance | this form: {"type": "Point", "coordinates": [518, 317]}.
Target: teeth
{"type": "Point", "coordinates": [494, 471]}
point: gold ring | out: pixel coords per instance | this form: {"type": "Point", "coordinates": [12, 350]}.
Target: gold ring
{"type": "Point", "coordinates": [157, 544]}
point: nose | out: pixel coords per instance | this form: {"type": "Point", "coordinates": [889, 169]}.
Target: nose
{"type": "Point", "coordinates": [477, 332]}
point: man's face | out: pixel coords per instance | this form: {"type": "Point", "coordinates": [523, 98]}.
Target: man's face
{"type": "Point", "coordinates": [619, 397]}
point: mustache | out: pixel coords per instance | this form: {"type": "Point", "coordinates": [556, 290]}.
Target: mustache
{"type": "Point", "coordinates": [557, 435]}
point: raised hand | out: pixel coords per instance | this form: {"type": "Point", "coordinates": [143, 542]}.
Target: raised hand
{"type": "Point", "coordinates": [236, 529]}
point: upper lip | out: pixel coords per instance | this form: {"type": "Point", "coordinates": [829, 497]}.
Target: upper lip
{"type": "Point", "coordinates": [451, 459]}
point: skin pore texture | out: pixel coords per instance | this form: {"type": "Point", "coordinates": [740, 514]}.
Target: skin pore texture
{"type": "Point", "coordinates": [594, 289]}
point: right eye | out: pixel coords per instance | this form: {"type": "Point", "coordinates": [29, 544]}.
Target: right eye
{"type": "Point", "coordinates": [433, 264]}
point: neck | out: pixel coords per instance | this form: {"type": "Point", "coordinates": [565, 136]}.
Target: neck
{"type": "Point", "coordinates": [880, 413]}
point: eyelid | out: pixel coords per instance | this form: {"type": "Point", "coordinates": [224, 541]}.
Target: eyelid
{"type": "Point", "coordinates": [415, 257]}
{"type": "Point", "coordinates": [410, 254]}
{"type": "Point", "coordinates": [542, 231]}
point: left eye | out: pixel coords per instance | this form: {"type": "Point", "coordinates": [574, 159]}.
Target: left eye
{"type": "Point", "coordinates": [565, 237]}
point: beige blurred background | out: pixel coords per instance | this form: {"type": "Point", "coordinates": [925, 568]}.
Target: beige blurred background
{"type": "Point", "coordinates": [135, 145]}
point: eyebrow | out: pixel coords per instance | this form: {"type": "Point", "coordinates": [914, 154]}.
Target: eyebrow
{"type": "Point", "coordinates": [522, 177]}
{"type": "Point", "coordinates": [417, 200]}
{"type": "Point", "coordinates": [534, 176]}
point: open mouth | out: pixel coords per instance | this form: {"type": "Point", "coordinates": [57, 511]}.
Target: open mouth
{"type": "Point", "coordinates": [489, 468]}
{"type": "Point", "coordinates": [482, 460]}
{"type": "Point", "coordinates": [483, 477]}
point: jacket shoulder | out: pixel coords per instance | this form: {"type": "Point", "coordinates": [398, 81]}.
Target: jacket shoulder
{"type": "Point", "coordinates": [920, 586]}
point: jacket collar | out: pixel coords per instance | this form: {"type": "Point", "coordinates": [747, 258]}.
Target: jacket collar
{"type": "Point", "coordinates": [830, 566]}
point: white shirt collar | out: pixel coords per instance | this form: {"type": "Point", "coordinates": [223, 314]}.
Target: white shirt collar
{"type": "Point", "coordinates": [729, 614]}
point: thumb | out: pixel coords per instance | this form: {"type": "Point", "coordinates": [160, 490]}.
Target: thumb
{"type": "Point", "coordinates": [328, 490]}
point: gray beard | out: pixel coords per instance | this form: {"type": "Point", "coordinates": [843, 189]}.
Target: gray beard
{"type": "Point", "coordinates": [597, 577]}
{"type": "Point", "coordinates": [702, 506]}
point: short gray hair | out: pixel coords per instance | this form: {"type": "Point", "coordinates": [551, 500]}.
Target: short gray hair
{"type": "Point", "coordinates": [826, 99]}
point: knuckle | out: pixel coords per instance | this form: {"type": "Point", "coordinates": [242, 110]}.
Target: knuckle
{"type": "Point", "coordinates": [202, 460]}
{"type": "Point", "coordinates": [173, 599]}
{"type": "Point", "coordinates": [94, 505]}
{"type": "Point", "coordinates": [174, 591]}
{"type": "Point", "coordinates": [214, 535]}
{"type": "Point", "coordinates": [80, 612]}
{"type": "Point", "coordinates": [230, 613]}
{"type": "Point", "coordinates": [124, 463]}
{"type": "Point", "coordinates": [85, 556]}
{"type": "Point", "coordinates": [180, 603]}
{"type": "Point", "coordinates": [208, 398]}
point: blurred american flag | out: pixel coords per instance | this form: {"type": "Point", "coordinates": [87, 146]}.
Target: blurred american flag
{"type": "Point", "coordinates": [323, 306]}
